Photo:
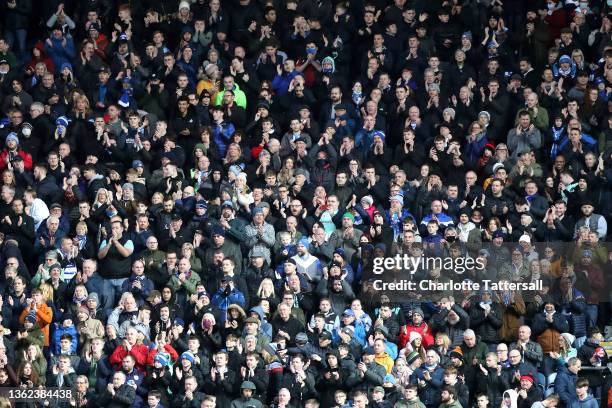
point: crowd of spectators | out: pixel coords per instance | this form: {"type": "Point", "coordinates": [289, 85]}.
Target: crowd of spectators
{"type": "Point", "coordinates": [194, 193]}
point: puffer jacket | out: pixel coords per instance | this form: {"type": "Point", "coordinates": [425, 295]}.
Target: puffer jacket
{"type": "Point", "coordinates": [486, 326]}
{"type": "Point", "coordinates": [430, 394]}
{"type": "Point", "coordinates": [547, 333]}
{"type": "Point", "coordinates": [574, 311]}
{"type": "Point", "coordinates": [565, 386]}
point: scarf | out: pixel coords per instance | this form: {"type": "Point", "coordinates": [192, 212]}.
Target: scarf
{"type": "Point", "coordinates": [82, 239]}
{"type": "Point", "coordinates": [78, 300]}
{"type": "Point", "coordinates": [557, 134]}
{"type": "Point", "coordinates": [569, 189]}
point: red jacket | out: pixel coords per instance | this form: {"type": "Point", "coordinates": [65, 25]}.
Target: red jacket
{"type": "Point", "coordinates": [27, 159]}
{"type": "Point", "coordinates": [423, 330]}
{"type": "Point", "coordinates": [140, 352]}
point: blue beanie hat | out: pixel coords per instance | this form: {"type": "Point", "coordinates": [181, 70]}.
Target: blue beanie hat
{"type": "Point", "coordinates": [162, 358]}
{"type": "Point", "coordinates": [304, 242]}
{"type": "Point", "coordinates": [62, 121]}
{"type": "Point", "coordinates": [188, 355]}
{"type": "Point", "coordinates": [12, 136]}
{"type": "Point", "coordinates": [380, 134]}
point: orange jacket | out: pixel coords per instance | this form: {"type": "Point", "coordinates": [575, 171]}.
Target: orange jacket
{"type": "Point", "coordinates": [44, 317]}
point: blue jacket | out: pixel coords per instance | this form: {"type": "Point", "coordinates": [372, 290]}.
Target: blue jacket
{"type": "Point", "coordinates": [60, 54]}
{"type": "Point", "coordinates": [565, 386]}
{"type": "Point", "coordinates": [429, 394]}
{"type": "Point", "coordinates": [360, 334]}
{"type": "Point", "coordinates": [221, 135]}
{"type": "Point", "coordinates": [221, 300]}
{"type": "Point", "coordinates": [443, 219]}
{"type": "Point", "coordinates": [364, 139]}
{"type": "Point", "coordinates": [473, 150]}
{"type": "Point", "coordinates": [59, 332]}
{"type": "Point", "coordinates": [140, 294]}
{"type": "Point", "coordinates": [584, 138]}
{"type": "Point", "coordinates": [588, 402]}
{"type": "Point", "coordinates": [136, 378]}
{"type": "Point", "coordinates": [281, 83]}
{"type": "Point", "coordinates": [397, 223]}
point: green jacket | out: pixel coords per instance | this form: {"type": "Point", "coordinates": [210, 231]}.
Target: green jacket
{"type": "Point", "coordinates": [416, 403]}
{"type": "Point", "coordinates": [539, 120]}
{"type": "Point", "coordinates": [153, 260]}
{"type": "Point", "coordinates": [10, 57]}
{"type": "Point", "coordinates": [239, 97]}
{"type": "Point", "coordinates": [36, 337]}
{"type": "Point", "coordinates": [479, 351]}
{"type": "Point", "coordinates": [454, 404]}
{"type": "Point", "coordinates": [189, 284]}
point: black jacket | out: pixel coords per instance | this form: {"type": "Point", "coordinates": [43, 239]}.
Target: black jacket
{"type": "Point", "coordinates": [124, 397]}
{"type": "Point", "coordinates": [486, 326]}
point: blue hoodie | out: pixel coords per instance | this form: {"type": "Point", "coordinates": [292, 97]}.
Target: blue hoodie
{"type": "Point", "coordinates": [588, 402]}
{"type": "Point", "coordinates": [264, 326]}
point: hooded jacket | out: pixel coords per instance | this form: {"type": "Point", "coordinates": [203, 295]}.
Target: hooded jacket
{"type": "Point", "coordinates": [565, 386]}
{"type": "Point", "coordinates": [513, 396]}
{"type": "Point", "coordinates": [240, 98]}
{"type": "Point", "coordinates": [588, 402]}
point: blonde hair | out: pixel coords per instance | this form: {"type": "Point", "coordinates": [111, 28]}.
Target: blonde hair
{"type": "Point", "coordinates": [101, 191]}
{"type": "Point", "coordinates": [577, 52]}
{"type": "Point", "coordinates": [83, 224]}
{"type": "Point", "coordinates": [46, 290]}
{"type": "Point", "coordinates": [266, 288]}
{"type": "Point", "coordinates": [446, 342]}
{"type": "Point", "coordinates": [80, 97]}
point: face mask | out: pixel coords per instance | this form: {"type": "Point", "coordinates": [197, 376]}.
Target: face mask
{"type": "Point", "coordinates": [311, 50]}
{"type": "Point", "coordinates": [26, 131]}
{"type": "Point", "coordinates": [328, 71]}
{"type": "Point", "coordinates": [551, 6]}
{"type": "Point", "coordinates": [609, 2]}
